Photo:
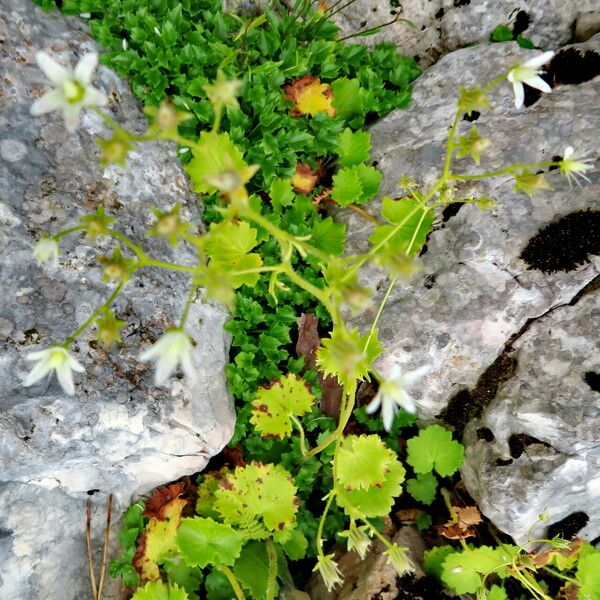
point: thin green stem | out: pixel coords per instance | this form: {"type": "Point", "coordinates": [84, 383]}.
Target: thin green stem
{"type": "Point", "coordinates": [129, 243]}
{"type": "Point", "coordinates": [298, 425]}
{"type": "Point", "coordinates": [506, 170]}
{"type": "Point", "coordinates": [377, 534]}
{"type": "Point", "coordinates": [272, 577]}
{"type": "Point", "coordinates": [57, 236]}
{"type": "Point", "coordinates": [560, 575]}
{"type": "Point", "coordinates": [108, 120]}
{"type": "Point", "coordinates": [237, 589]}
{"type": "Point", "coordinates": [381, 306]}
{"type": "Point", "coordinates": [69, 340]}
{"type": "Point", "coordinates": [330, 498]}
{"type": "Point", "coordinates": [450, 147]}
{"type": "Point", "coordinates": [190, 298]}
{"type": "Point", "coordinates": [494, 83]}
{"type": "Point", "coordinates": [149, 262]}
{"type": "Point", "coordinates": [318, 293]}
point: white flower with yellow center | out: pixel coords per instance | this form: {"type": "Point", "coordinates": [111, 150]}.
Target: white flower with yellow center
{"type": "Point", "coordinates": [46, 251]}
{"type": "Point", "coordinates": [73, 90]}
{"type": "Point", "coordinates": [573, 166]}
{"type": "Point", "coordinates": [55, 359]}
{"type": "Point", "coordinates": [393, 394]}
{"type": "Point", "coordinates": [172, 349]}
{"type": "Point", "coordinates": [529, 73]}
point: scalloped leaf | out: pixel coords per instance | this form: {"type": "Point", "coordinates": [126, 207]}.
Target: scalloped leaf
{"type": "Point", "coordinates": [422, 488]}
{"type": "Point", "coordinates": [347, 187]}
{"type": "Point", "coordinates": [260, 499]}
{"type": "Point", "coordinates": [348, 355]}
{"type": "Point", "coordinates": [204, 542]}
{"type": "Point", "coordinates": [434, 449]}
{"type": "Point", "coordinates": [157, 590]}
{"type": "Point", "coordinates": [274, 406]}
{"type": "Point", "coordinates": [363, 461]}
{"type": "Point", "coordinates": [353, 147]}
{"type": "Point", "coordinates": [376, 501]}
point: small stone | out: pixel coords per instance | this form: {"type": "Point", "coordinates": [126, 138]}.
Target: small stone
{"type": "Point", "coordinates": [12, 150]}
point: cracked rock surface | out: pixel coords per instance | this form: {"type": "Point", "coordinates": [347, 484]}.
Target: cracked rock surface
{"type": "Point", "coordinates": [475, 293]}
{"type": "Point", "coordinates": [552, 405]}
{"type": "Point", "coordinates": [430, 28]}
{"type": "Point", "coordinates": [118, 433]}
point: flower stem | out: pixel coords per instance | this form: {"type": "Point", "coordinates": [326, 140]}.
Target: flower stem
{"type": "Point", "coordinates": [298, 425]}
{"type": "Point", "coordinates": [272, 577]}
{"type": "Point", "coordinates": [506, 170]}
{"type": "Point", "coordinates": [57, 236]}
{"type": "Point", "coordinates": [319, 542]}
{"type": "Point", "coordinates": [233, 581]}
{"type": "Point", "coordinates": [69, 340]}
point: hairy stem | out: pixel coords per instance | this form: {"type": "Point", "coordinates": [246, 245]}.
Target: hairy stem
{"type": "Point", "coordinates": [272, 578]}
{"type": "Point", "coordinates": [237, 589]}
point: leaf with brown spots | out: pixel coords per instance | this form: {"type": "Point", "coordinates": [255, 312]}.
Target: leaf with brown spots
{"type": "Point", "coordinates": [305, 178]}
{"type": "Point", "coordinates": [309, 96]}
{"type": "Point", "coordinates": [160, 498]}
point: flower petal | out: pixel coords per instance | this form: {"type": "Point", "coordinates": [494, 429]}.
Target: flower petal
{"type": "Point", "coordinates": [37, 373]}
{"type": "Point", "coordinates": [374, 404]}
{"type": "Point", "coordinates": [411, 377]}
{"type": "Point", "coordinates": [388, 412]}
{"type": "Point", "coordinates": [55, 72]}
{"type": "Point", "coordinates": [71, 117]}
{"type": "Point", "coordinates": [65, 378]}
{"type": "Point", "coordinates": [164, 369]}
{"type": "Point", "coordinates": [75, 365]}
{"type": "Point", "coordinates": [94, 97]}
{"type": "Point", "coordinates": [52, 100]}
{"type": "Point", "coordinates": [519, 93]}
{"type": "Point", "coordinates": [539, 61]}
{"type": "Point", "coordinates": [84, 71]}
{"type": "Point", "coordinates": [188, 368]}
{"type": "Point", "coordinates": [538, 83]}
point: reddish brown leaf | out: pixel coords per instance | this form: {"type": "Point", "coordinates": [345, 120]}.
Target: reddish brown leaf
{"type": "Point", "coordinates": [454, 531]}
{"type": "Point", "coordinates": [469, 515]}
{"type": "Point", "coordinates": [305, 178]}
{"type": "Point", "coordinates": [409, 515]}
{"type": "Point", "coordinates": [160, 498]}
{"type": "Point", "coordinates": [309, 96]}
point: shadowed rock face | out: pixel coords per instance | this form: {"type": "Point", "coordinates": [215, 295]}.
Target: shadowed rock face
{"type": "Point", "coordinates": [118, 433]}
{"type": "Point", "coordinates": [476, 296]}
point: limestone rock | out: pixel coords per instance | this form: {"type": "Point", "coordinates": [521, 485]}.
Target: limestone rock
{"type": "Point", "coordinates": [430, 29]}
{"type": "Point", "coordinates": [546, 447]}
{"type": "Point", "coordinates": [118, 433]}
{"type": "Point", "coordinates": [476, 294]}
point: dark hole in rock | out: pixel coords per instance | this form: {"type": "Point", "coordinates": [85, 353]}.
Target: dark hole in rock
{"type": "Point", "coordinates": [92, 492]}
{"type": "Point", "coordinates": [451, 211]}
{"type": "Point", "coordinates": [500, 462]}
{"type": "Point", "coordinates": [363, 23]}
{"type": "Point", "coordinates": [483, 433]}
{"type": "Point", "coordinates": [473, 117]}
{"type": "Point", "coordinates": [521, 23]}
{"type": "Point", "coordinates": [571, 66]}
{"type": "Point", "coordinates": [4, 533]}
{"type": "Point", "coordinates": [565, 244]}
{"type": "Point", "coordinates": [429, 281]}
{"type": "Point", "coordinates": [423, 588]}
{"type": "Point", "coordinates": [371, 117]}
{"type": "Point", "coordinates": [467, 405]}
{"type": "Point", "coordinates": [462, 2]}
{"type": "Point", "coordinates": [595, 541]}
{"type": "Point", "coordinates": [440, 13]}
{"type": "Point", "coordinates": [519, 441]}
{"type": "Point", "coordinates": [593, 380]}
{"type": "Point", "coordinates": [568, 527]}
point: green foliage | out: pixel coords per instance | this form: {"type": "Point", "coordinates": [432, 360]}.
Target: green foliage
{"type": "Point", "coordinates": [205, 542]}
{"type": "Point", "coordinates": [410, 224]}
{"type": "Point", "coordinates": [353, 147]}
{"type": "Point", "coordinates": [423, 488]}
{"type": "Point", "coordinates": [252, 569]}
{"type": "Point", "coordinates": [157, 590]}
{"type": "Point", "coordinates": [503, 33]}
{"type": "Point", "coordinates": [363, 461]}
{"type": "Point", "coordinates": [131, 527]}
{"type": "Point", "coordinates": [274, 406]}
{"type": "Point", "coordinates": [434, 449]}
{"type": "Point", "coordinates": [588, 574]}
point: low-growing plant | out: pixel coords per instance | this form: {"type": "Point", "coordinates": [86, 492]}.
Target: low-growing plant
{"type": "Point", "coordinates": [266, 240]}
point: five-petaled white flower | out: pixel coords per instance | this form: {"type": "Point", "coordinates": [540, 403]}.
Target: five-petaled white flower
{"type": "Point", "coordinates": [393, 394]}
{"type": "Point", "coordinates": [45, 250]}
{"type": "Point", "coordinates": [73, 90]}
{"type": "Point", "coordinates": [173, 348]}
{"type": "Point", "coordinates": [56, 359]}
{"type": "Point", "coordinates": [573, 166]}
{"type": "Point", "coordinates": [529, 73]}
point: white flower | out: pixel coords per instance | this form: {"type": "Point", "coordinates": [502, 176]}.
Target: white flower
{"type": "Point", "coordinates": [529, 73]}
{"type": "Point", "coordinates": [46, 251]}
{"type": "Point", "coordinates": [392, 394]}
{"type": "Point", "coordinates": [72, 91]}
{"type": "Point", "coordinates": [173, 348]}
{"type": "Point", "coordinates": [56, 359]}
{"type": "Point", "coordinates": [573, 166]}
{"type": "Point", "coordinates": [398, 558]}
{"type": "Point", "coordinates": [357, 539]}
{"type": "Point", "coordinates": [329, 571]}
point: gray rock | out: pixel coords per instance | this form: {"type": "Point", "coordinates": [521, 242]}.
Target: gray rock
{"type": "Point", "coordinates": [118, 433]}
{"type": "Point", "coordinates": [549, 412]}
{"type": "Point", "coordinates": [475, 293]}
{"type": "Point", "coordinates": [430, 29]}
